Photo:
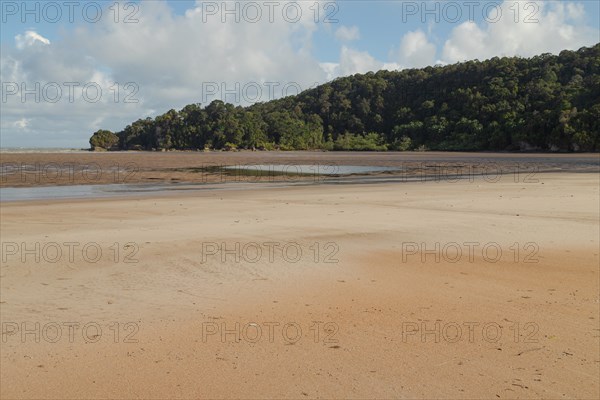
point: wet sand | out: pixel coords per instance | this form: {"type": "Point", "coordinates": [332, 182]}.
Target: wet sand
{"type": "Point", "coordinates": [360, 304]}
{"type": "Point", "coordinates": [49, 169]}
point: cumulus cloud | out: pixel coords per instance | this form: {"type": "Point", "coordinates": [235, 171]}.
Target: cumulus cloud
{"type": "Point", "coordinates": [23, 123]}
{"type": "Point", "coordinates": [332, 70]}
{"type": "Point", "coordinates": [415, 50]}
{"type": "Point", "coordinates": [30, 38]}
{"type": "Point", "coordinates": [391, 66]}
{"type": "Point", "coordinates": [525, 29]}
{"type": "Point", "coordinates": [355, 62]}
{"type": "Point", "coordinates": [347, 34]}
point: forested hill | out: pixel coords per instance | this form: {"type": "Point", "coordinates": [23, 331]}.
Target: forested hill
{"type": "Point", "coordinates": [542, 103]}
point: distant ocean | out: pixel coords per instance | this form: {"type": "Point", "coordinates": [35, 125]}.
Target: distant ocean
{"type": "Point", "coordinates": [40, 150]}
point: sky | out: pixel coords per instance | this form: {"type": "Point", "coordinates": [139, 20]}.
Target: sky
{"type": "Point", "coordinates": [69, 68]}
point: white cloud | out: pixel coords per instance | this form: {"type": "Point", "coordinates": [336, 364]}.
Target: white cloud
{"type": "Point", "coordinates": [540, 27]}
{"type": "Point", "coordinates": [347, 34]}
{"type": "Point", "coordinates": [332, 70]}
{"type": "Point", "coordinates": [415, 50]}
{"type": "Point", "coordinates": [355, 62]}
{"type": "Point", "coordinates": [22, 124]}
{"type": "Point", "coordinates": [575, 11]}
{"type": "Point", "coordinates": [30, 38]}
{"type": "Point", "coordinates": [391, 66]}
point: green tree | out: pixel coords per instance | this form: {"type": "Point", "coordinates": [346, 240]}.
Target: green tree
{"type": "Point", "coordinates": [103, 139]}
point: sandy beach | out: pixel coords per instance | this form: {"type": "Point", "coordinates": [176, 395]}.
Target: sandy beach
{"type": "Point", "coordinates": [446, 289]}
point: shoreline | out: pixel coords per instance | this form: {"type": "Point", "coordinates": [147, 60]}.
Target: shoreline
{"type": "Point", "coordinates": [56, 169]}
{"type": "Point", "coordinates": [93, 192]}
{"type": "Point", "coordinates": [46, 150]}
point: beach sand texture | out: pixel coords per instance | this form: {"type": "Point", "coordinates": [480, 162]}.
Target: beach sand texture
{"type": "Point", "coordinates": [353, 308]}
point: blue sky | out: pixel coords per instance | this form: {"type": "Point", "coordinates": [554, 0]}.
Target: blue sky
{"type": "Point", "coordinates": [173, 53]}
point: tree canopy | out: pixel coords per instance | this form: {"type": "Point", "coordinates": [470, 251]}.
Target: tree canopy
{"type": "Point", "coordinates": [104, 139]}
{"type": "Point", "coordinates": [547, 102]}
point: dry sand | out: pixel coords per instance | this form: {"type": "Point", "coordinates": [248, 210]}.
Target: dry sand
{"type": "Point", "coordinates": [541, 319]}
